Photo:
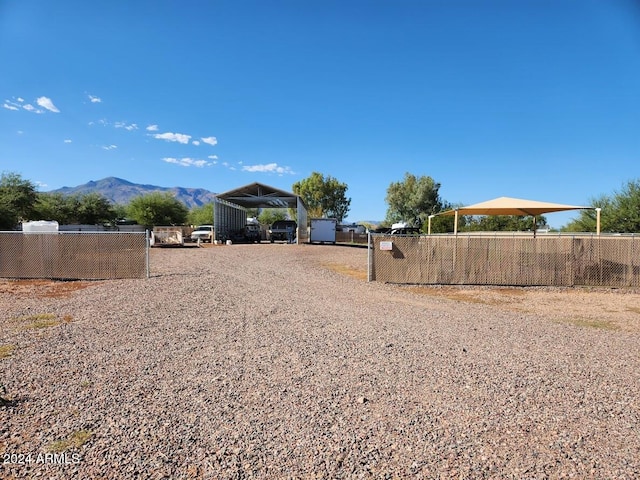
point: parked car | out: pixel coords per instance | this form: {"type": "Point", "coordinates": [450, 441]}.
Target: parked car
{"type": "Point", "coordinates": [406, 231]}
{"type": "Point", "coordinates": [204, 233]}
{"type": "Point", "coordinates": [253, 232]}
{"type": "Point", "coordinates": [403, 228]}
{"type": "Point", "coordinates": [283, 230]}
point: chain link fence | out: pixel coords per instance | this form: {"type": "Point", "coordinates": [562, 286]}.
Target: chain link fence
{"type": "Point", "coordinates": [352, 237]}
{"type": "Point", "coordinates": [545, 260]}
{"type": "Point", "coordinates": [74, 255]}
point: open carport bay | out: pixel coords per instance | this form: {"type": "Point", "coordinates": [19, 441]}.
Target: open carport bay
{"type": "Point", "coordinates": [282, 361]}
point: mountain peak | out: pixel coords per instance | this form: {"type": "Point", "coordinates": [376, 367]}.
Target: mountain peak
{"type": "Point", "coordinates": [120, 191]}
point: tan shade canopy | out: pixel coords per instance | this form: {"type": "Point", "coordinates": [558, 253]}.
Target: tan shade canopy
{"type": "Point", "coordinates": [512, 206]}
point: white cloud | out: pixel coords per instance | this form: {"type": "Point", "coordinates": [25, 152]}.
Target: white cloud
{"type": "Point", "coordinates": [40, 184]}
{"type": "Point", "coordinates": [210, 140]}
{"type": "Point", "coordinates": [187, 162]}
{"type": "Point", "coordinates": [45, 102]}
{"type": "Point", "coordinates": [67, 140]}
{"type": "Point", "coordinates": [213, 157]}
{"type": "Point", "coordinates": [196, 143]}
{"type": "Point", "coordinates": [94, 99]}
{"type": "Point", "coordinates": [10, 106]}
{"type": "Point", "coordinates": [20, 99]}
{"type": "Point", "coordinates": [30, 108]}
{"type": "Point", "coordinates": [172, 137]}
{"type": "Point", "coordinates": [152, 128]}
{"type": "Point", "coordinates": [268, 168]}
{"type": "Point", "coordinates": [130, 127]}
{"type": "Point", "coordinates": [109, 147]}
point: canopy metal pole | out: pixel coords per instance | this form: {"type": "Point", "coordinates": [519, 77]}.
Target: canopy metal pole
{"type": "Point", "coordinates": [598, 221]}
{"type": "Point", "coordinates": [455, 224]}
{"type": "Point", "coordinates": [429, 225]}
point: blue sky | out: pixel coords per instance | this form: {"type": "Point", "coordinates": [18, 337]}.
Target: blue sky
{"type": "Point", "coordinates": [528, 99]}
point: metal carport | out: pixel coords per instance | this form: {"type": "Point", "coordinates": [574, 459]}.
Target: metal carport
{"type": "Point", "coordinates": [230, 214]}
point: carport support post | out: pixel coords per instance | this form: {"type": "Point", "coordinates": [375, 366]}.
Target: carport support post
{"type": "Point", "coordinates": [598, 221]}
{"type": "Point", "coordinates": [429, 226]}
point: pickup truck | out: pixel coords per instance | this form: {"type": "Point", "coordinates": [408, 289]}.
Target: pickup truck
{"type": "Point", "coordinates": [204, 233]}
{"type": "Point", "coordinates": [283, 230]}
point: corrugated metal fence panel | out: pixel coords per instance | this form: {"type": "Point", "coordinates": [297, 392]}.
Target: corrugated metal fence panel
{"type": "Point", "coordinates": [73, 255]}
{"type": "Point", "coordinates": [507, 260]}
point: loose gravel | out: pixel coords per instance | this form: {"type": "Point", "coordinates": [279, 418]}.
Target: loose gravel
{"type": "Point", "coordinates": [281, 361]}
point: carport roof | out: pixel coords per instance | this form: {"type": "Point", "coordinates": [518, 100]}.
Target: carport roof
{"type": "Point", "coordinates": [259, 195]}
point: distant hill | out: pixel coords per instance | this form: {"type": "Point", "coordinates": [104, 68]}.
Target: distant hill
{"type": "Point", "coordinates": [120, 191]}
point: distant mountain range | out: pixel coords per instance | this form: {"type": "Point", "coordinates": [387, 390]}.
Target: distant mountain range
{"type": "Point", "coordinates": [120, 191]}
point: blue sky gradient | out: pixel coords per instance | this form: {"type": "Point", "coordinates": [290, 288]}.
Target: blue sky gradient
{"type": "Point", "coordinates": [528, 99]}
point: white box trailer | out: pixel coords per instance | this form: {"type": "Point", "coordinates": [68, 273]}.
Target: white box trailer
{"type": "Point", "coordinates": [323, 230]}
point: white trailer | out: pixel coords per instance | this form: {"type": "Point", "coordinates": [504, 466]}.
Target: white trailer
{"type": "Point", "coordinates": [167, 237]}
{"type": "Point", "coordinates": [323, 230]}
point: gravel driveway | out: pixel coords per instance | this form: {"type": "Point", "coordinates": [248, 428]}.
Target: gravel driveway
{"type": "Point", "coordinates": [281, 361]}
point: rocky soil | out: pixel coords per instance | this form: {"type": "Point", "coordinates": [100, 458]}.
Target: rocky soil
{"type": "Point", "coordinates": [281, 361]}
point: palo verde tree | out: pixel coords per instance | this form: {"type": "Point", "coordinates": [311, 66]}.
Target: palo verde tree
{"type": "Point", "coordinates": [413, 200]}
{"type": "Point", "coordinates": [620, 212]}
{"type": "Point", "coordinates": [324, 197]}
{"type": "Point", "coordinates": [17, 198]}
{"type": "Point", "coordinates": [157, 208]}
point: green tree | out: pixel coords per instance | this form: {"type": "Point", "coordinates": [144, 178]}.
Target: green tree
{"type": "Point", "coordinates": [443, 223]}
{"type": "Point", "coordinates": [324, 197]}
{"type": "Point", "coordinates": [88, 209]}
{"type": "Point", "coordinates": [501, 223]}
{"type": "Point", "coordinates": [94, 209]}
{"type": "Point", "coordinates": [620, 212]}
{"type": "Point", "coordinates": [55, 206]}
{"type": "Point", "coordinates": [202, 215]}
{"type": "Point", "coordinates": [157, 208]}
{"type": "Point", "coordinates": [269, 215]}
{"type": "Point", "coordinates": [17, 199]}
{"type": "Point", "coordinates": [413, 200]}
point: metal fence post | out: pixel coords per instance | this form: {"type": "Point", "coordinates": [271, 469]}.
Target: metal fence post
{"type": "Point", "coordinates": [369, 256]}
{"type": "Point", "coordinates": [146, 236]}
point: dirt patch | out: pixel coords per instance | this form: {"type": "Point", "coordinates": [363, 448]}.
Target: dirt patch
{"type": "Point", "coordinates": [42, 288]}
{"type": "Point", "coordinates": [350, 270]}
{"type": "Point", "coordinates": [594, 308]}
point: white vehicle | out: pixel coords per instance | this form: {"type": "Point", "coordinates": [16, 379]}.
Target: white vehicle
{"type": "Point", "coordinates": [204, 233]}
{"type": "Point", "coordinates": [352, 228]}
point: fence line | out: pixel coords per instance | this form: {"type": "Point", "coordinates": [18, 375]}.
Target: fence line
{"type": "Point", "coordinates": [611, 261]}
{"type": "Point", "coordinates": [74, 255]}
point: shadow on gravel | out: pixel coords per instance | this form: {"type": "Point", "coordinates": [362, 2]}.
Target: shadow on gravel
{"type": "Point", "coordinates": [349, 245]}
{"type": "Point", "coordinates": [12, 403]}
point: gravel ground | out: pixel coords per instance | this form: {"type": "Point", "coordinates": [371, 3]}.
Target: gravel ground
{"type": "Point", "coordinates": [281, 361]}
